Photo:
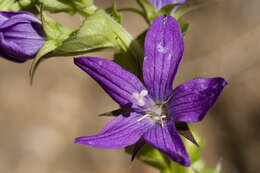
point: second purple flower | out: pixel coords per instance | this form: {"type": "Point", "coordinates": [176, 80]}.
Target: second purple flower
{"type": "Point", "coordinates": [21, 35]}
{"type": "Point", "coordinates": [158, 4]}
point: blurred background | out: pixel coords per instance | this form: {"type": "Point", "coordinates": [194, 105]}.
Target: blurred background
{"type": "Point", "coordinates": [38, 123]}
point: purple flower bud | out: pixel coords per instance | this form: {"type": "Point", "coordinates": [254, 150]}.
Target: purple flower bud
{"type": "Point", "coordinates": [158, 4]}
{"type": "Point", "coordinates": [21, 35]}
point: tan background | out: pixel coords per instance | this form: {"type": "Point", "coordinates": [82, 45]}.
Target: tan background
{"type": "Point", "coordinates": [39, 123]}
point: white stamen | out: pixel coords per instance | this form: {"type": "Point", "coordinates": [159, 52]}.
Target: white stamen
{"type": "Point", "coordinates": [141, 102]}
{"type": "Point", "coordinates": [143, 93]}
{"type": "Point", "coordinates": [162, 117]}
{"type": "Point", "coordinates": [157, 118]}
{"type": "Point", "coordinates": [136, 96]}
{"type": "Point", "coordinates": [143, 117]}
{"type": "Point", "coordinates": [162, 123]}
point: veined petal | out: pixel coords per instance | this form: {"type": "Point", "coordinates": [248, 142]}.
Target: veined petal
{"type": "Point", "coordinates": [120, 132]}
{"type": "Point", "coordinates": [18, 52]}
{"type": "Point", "coordinates": [168, 141]}
{"type": "Point", "coordinates": [164, 48]}
{"type": "Point", "coordinates": [124, 87]}
{"type": "Point", "coordinates": [192, 100]}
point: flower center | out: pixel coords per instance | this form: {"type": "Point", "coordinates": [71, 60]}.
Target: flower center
{"type": "Point", "coordinates": [157, 114]}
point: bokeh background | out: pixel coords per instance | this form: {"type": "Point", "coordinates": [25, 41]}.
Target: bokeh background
{"type": "Point", "coordinates": [38, 123]}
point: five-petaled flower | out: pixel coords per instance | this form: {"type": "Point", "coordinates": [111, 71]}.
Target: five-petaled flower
{"type": "Point", "coordinates": [21, 35]}
{"type": "Point", "coordinates": [158, 4]}
{"type": "Point", "coordinates": [155, 107]}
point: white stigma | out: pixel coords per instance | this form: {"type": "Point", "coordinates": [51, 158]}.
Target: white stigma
{"type": "Point", "coordinates": [140, 97]}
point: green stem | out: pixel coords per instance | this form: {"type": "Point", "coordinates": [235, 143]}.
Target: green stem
{"type": "Point", "coordinates": [134, 10]}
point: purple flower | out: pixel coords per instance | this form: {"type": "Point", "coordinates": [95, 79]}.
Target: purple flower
{"type": "Point", "coordinates": [152, 110]}
{"type": "Point", "coordinates": [21, 35]}
{"type": "Point", "coordinates": [158, 4]}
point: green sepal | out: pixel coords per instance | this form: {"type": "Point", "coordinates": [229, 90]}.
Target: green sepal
{"type": "Point", "coordinates": [184, 26]}
{"type": "Point", "coordinates": [129, 63]}
{"type": "Point", "coordinates": [168, 9]}
{"type": "Point", "coordinates": [126, 61]}
{"type": "Point", "coordinates": [149, 10]}
{"type": "Point", "coordinates": [56, 34]}
{"type": "Point", "coordinates": [150, 156]}
{"type": "Point", "coordinates": [182, 11]}
{"type": "Point", "coordinates": [141, 38]}
{"type": "Point", "coordinates": [160, 161]}
{"type": "Point", "coordinates": [114, 13]}
{"type": "Point", "coordinates": [83, 7]}
{"type": "Point", "coordinates": [48, 46]}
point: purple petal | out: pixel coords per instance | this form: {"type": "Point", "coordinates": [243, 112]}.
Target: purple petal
{"type": "Point", "coordinates": [164, 48]}
{"type": "Point", "coordinates": [17, 17]}
{"type": "Point", "coordinates": [20, 46]}
{"type": "Point", "coordinates": [192, 100]}
{"type": "Point", "coordinates": [158, 4]}
{"type": "Point", "coordinates": [121, 85]}
{"type": "Point", "coordinates": [118, 133]}
{"type": "Point", "coordinates": [168, 141]}
{"type": "Point", "coordinates": [8, 14]}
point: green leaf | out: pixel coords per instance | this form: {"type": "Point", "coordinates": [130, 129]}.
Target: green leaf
{"type": "Point", "coordinates": [99, 31]}
{"type": "Point", "coordinates": [56, 34]}
{"type": "Point", "coordinates": [149, 10]}
{"type": "Point", "coordinates": [114, 13]}
{"type": "Point", "coordinates": [83, 7]}
{"type": "Point", "coordinates": [180, 12]}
